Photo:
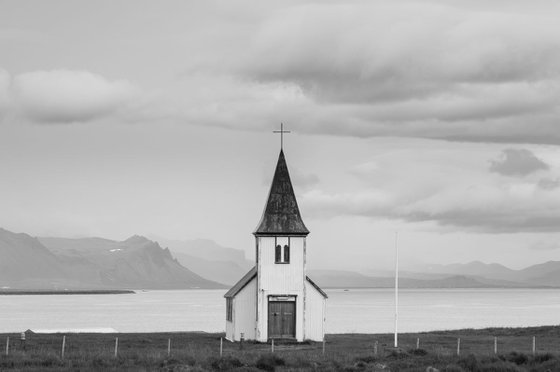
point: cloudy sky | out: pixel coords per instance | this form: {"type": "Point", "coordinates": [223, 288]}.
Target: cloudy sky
{"type": "Point", "coordinates": [436, 119]}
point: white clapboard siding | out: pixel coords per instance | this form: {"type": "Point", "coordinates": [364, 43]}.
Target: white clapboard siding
{"type": "Point", "coordinates": [244, 312]}
{"type": "Point", "coordinates": [315, 308]}
{"type": "Point", "coordinates": [281, 278]}
{"type": "Point", "coordinates": [229, 330]}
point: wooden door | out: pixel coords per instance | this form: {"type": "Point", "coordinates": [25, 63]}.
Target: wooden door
{"type": "Point", "coordinates": [281, 319]}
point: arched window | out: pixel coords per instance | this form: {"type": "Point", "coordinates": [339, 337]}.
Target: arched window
{"type": "Point", "coordinates": [278, 254]}
{"type": "Point", "coordinates": [281, 253]}
{"type": "Point", "coordinates": [286, 254]}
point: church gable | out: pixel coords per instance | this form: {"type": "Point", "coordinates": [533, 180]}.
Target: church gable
{"type": "Point", "coordinates": [247, 278]}
{"type": "Point", "coordinates": [316, 287]}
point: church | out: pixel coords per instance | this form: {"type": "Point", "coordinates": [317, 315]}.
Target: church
{"type": "Point", "coordinates": [276, 299]}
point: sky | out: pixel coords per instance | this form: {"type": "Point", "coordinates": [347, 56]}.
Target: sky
{"type": "Point", "coordinates": [436, 122]}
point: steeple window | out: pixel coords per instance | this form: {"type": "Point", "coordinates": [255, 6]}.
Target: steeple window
{"type": "Point", "coordinates": [281, 253]}
{"type": "Point", "coordinates": [278, 254]}
{"type": "Point", "coordinates": [286, 254]}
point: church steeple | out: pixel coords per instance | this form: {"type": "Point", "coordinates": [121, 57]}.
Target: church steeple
{"type": "Point", "coordinates": [276, 299]}
{"type": "Point", "coordinates": [281, 214]}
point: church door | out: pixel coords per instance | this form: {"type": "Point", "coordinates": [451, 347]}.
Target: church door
{"type": "Point", "coordinates": [281, 319]}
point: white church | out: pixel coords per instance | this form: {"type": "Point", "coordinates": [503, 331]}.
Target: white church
{"type": "Point", "coordinates": [276, 299]}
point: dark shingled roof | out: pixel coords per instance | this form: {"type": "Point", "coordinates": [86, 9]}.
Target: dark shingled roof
{"type": "Point", "coordinates": [281, 215]}
{"type": "Point", "coordinates": [242, 283]}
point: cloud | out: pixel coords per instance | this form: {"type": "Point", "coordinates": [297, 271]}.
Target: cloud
{"type": "Point", "coordinates": [452, 71]}
{"type": "Point", "coordinates": [4, 91]}
{"type": "Point", "coordinates": [448, 187]}
{"type": "Point", "coordinates": [549, 183]}
{"type": "Point", "coordinates": [545, 246]}
{"type": "Point", "coordinates": [370, 203]}
{"type": "Point", "coordinates": [391, 51]}
{"type": "Point", "coordinates": [65, 96]}
{"type": "Point", "coordinates": [484, 209]}
{"type": "Point", "coordinates": [517, 162]}
{"type": "Point", "coordinates": [455, 71]}
{"type": "Point", "coordinates": [303, 180]}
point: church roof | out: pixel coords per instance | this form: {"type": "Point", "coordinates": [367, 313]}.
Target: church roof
{"type": "Point", "coordinates": [242, 283]}
{"type": "Point", "coordinates": [316, 287]}
{"type": "Point", "coordinates": [281, 214]}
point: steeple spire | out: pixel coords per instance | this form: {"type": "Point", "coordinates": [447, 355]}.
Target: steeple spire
{"type": "Point", "coordinates": [281, 214]}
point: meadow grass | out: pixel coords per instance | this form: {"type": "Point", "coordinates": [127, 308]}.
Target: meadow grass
{"type": "Point", "coordinates": [199, 351]}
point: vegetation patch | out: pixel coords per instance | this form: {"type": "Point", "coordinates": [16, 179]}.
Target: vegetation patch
{"type": "Point", "coordinates": [515, 357]}
{"type": "Point", "coordinates": [366, 359]}
{"type": "Point", "coordinates": [541, 358]}
{"type": "Point", "coordinates": [500, 366]}
{"type": "Point", "coordinates": [225, 363]}
{"type": "Point", "coordinates": [418, 352]}
{"type": "Point", "coordinates": [199, 352]}
{"type": "Point", "coordinates": [269, 362]}
{"type": "Point", "coordinates": [453, 368]}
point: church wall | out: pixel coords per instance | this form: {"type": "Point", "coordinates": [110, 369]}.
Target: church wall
{"type": "Point", "coordinates": [315, 313]}
{"type": "Point", "coordinates": [280, 279]}
{"type": "Point", "coordinates": [229, 330]}
{"type": "Point", "coordinates": [244, 312]}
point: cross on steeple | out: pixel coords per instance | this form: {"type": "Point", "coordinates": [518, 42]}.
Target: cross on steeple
{"type": "Point", "coordinates": [281, 131]}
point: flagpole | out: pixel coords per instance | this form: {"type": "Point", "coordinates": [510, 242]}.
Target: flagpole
{"type": "Point", "coordinates": [396, 290]}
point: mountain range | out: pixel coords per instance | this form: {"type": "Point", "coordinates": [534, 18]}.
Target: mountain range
{"type": "Point", "coordinates": [210, 260]}
{"type": "Point", "coordinates": [91, 263]}
{"type": "Point", "coordinates": [28, 262]}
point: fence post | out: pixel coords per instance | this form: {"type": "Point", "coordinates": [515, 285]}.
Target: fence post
{"type": "Point", "coordinates": [495, 345]}
{"type": "Point", "coordinates": [63, 346]}
{"type": "Point", "coordinates": [534, 345]}
{"type": "Point", "coordinates": [272, 345]}
{"type": "Point", "coordinates": [458, 346]}
{"type": "Point", "coordinates": [168, 347]}
{"type": "Point", "coordinates": [375, 346]}
{"type": "Point", "coordinates": [221, 346]}
{"type": "Point", "coordinates": [417, 343]}
{"type": "Point", "coordinates": [7, 345]}
{"type": "Point", "coordinates": [116, 346]}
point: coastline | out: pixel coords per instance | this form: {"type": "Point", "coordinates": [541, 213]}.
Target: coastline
{"type": "Point", "coordinates": [15, 292]}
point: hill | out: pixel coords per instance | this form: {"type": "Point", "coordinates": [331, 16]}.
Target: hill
{"type": "Point", "coordinates": [350, 279]}
{"type": "Point", "coordinates": [474, 268]}
{"type": "Point", "coordinates": [545, 274]}
{"type": "Point", "coordinates": [26, 263]}
{"type": "Point", "coordinates": [92, 263]}
{"type": "Point", "coordinates": [133, 263]}
{"type": "Point", "coordinates": [209, 259]}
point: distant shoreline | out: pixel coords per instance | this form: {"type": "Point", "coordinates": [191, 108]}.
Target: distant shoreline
{"type": "Point", "coordinates": [9, 292]}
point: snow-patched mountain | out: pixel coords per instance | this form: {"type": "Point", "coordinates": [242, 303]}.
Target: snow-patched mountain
{"type": "Point", "coordinates": [54, 263]}
{"type": "Point", "coordinates": [136, 262]}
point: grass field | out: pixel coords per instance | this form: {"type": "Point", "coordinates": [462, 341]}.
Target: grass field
{"type": "Point", "coordinates": [193, 351]}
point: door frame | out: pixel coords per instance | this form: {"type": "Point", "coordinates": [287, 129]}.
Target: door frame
{"type": "Point", "coordinates": [281, 298]}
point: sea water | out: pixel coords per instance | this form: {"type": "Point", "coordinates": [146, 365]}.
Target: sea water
{"type": "Point", "coordinates": [353, 310]}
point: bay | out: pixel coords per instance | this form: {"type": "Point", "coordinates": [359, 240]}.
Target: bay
{"type": "Point", "coordinates": [348, 311]}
